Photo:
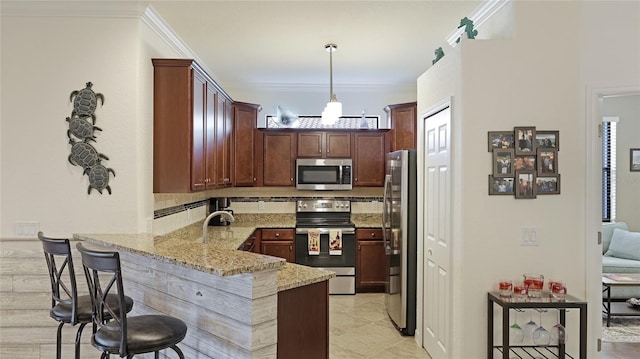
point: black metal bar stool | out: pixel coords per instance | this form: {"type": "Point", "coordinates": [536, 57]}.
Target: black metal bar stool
{"type": "Point", "coordinates": [66, 305]}
{"type": "Point", "coordinates": [125, 336]}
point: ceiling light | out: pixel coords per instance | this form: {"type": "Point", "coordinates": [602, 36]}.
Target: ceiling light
{"type": "Point", "coordinates": [333, 110]}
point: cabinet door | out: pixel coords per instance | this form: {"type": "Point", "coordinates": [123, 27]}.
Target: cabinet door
{"type": "Point", "coordinates": [370, 260]}
{"type": "Point", "coordinates": [198, 151]}
{"type": "Point", "coordinates": [228, 133]}
{"type": "Point", "coordinates": [279, 159]}
{"type": "Point", "coordinates": [282, 249]}
{"type": "Point", "coordinates": [244, 121]}
{"type": "Point", "coordinates": [403, 126]}
{"type": "Point", "coordinates": [310, 144]}
{"type": "Point", "coordinates": [370, 266]}
{"type": "Point", "coordinates": [338, 145]}
{"type": "Point", "coordinates": [221, 163]}
{"type": "Point", "coordinates": [368, 161]}
{"type": "Point", "coordinates": [210, 138]}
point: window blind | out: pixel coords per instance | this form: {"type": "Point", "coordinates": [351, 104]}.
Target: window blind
{"type": "Point", "coordinates": [608, 171]}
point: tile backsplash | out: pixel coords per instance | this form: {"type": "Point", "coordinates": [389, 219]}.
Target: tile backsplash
{"type": "Point", "coordinates": [174, 211]}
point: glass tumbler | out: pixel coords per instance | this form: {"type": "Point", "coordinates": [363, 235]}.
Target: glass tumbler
{"type": "Point", "coordinates": [506, 287]}
{"type": "Point", "coordinates": [534, 284]}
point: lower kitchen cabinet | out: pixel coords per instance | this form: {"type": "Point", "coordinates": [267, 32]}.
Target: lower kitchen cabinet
{"type": "Point", "coordinates": [303, 322]}
{"type": "Point", "coordinates": [252, 244]}
{"type": "Point", "coordinates": [278, 243]}
{"type": "Point", "coordinates": [370, 260]}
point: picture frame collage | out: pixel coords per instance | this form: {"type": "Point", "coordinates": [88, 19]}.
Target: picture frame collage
{"type": "Point", "coordinates": [524, 162]}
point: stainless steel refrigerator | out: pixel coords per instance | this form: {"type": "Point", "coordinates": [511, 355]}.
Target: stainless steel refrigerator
{"type": "Point", "coordinates": [399, 222]}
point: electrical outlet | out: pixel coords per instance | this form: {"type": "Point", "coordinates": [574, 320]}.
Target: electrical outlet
{"type": "Point", "coordinates": [261, 205]}
{"type": "Point", "coordinates": [27, 229]}
{"type": "Point", "coordinates": [374, 205]}
{"type": "Point", "coordinates": [529, 237]}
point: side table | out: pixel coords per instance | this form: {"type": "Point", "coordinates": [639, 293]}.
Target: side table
{"type": "Point", "coordinates": [618, 308]}
{"type": "Point", "coordinates": [545, 302]}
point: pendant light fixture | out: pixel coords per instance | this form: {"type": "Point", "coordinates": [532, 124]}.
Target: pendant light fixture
{"type": "Point", "coordinates": [333, 110]}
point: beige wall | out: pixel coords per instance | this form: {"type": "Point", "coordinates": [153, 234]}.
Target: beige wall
{"type": "Point", "coordinates": [44, 59]}
{"type": "Point", "coordinates": [559, 49]}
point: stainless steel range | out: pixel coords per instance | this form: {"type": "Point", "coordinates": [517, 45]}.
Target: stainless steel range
{"type": "Point", "coordinates": [331, 219]}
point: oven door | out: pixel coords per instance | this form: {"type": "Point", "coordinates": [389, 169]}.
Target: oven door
{"type": "Point", "coordinates": [324, 259]}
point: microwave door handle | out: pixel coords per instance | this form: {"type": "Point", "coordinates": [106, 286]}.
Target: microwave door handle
{"type": "Point", "coordinates": [385, 215]}
{"type": "Point", "coordinates": [339, 174]}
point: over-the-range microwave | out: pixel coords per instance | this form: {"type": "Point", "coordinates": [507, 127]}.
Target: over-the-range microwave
{"type": "Point", "coordinates": [323, 174]}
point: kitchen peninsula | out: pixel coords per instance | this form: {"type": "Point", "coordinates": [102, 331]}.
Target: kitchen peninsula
{"type": "Point", "coordinates": [236, 304]}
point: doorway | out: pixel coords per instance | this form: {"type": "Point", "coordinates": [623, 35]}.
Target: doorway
{"type": "Point", "coordinates": [593, 204]}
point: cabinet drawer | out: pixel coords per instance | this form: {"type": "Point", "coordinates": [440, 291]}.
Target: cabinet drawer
{"type": "Point", "coordinates": [278, 234]}
{"type": "Point", "coordinates": [371, 234]}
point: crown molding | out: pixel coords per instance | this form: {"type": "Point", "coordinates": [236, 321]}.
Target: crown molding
{"type": "Point", "coordinates": [103, 9]}
{"type": "Point", "coordinates": [479, 17]}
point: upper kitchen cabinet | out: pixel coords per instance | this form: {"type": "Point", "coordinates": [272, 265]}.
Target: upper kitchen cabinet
{"type": "Point", "coordinates": [279, 158]}
{"type": "Point", "coordinates": [245, 116]}
{"type": "Point", "coordinates": [224, 128]}
{"type": "Point", "coordinates": [368, 159]}
{"type": "Point", "coordinates": [189, 108]}
{"type": "Point", "coordinates": [403, 119]}
{"type": "Point", "coordinates": [324, 145]}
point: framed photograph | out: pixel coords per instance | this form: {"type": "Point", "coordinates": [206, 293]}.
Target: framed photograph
{"type": "Point", "coordinates": [500, 139]}
{"type": "Point", "coordinates": [547, 161]}
{"type": "Point", "coordinates": [503, 162]}
{"type": "Point", "coordinates": [524, 163]}
{"type": "Point", "coordinates": [500, 185]}
{"type": "Point", "coordinates": [634, 160]}
{"type": "Point", "coordinates": [546, 184]}
{"type": "Point", "coordinates": [524, 184]}
{"type": "Point", "coordinates": [548, 139]}
{"type": "Point", "coordinates": [525, 140]}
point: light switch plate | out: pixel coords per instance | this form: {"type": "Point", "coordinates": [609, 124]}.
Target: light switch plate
{"type": "Point", "coordinates": [529, 237]}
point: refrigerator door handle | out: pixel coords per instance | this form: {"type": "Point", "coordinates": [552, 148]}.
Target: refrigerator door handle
{"type": "Point", "coordinates": [385, 214]}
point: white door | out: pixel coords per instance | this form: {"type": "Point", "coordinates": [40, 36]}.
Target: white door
{"type": "Point", "coordinates": [434, 175]}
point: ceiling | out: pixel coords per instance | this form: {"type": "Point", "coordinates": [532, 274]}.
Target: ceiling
{"type": "Point", "coordinates": [280, 44]}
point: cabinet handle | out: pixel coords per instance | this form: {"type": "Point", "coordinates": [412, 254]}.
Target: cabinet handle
{"type": "Point", "coordinates": [277, 234]}
{"type": "Point", "coordinates": [373, 234]}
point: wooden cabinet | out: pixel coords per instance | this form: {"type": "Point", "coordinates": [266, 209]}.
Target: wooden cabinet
{"type": "Point", "coordinates": [371, 266]}
{"type": "Point", "coordinates": [245, 116]}
{"type": "Point", "coordinates": [324, 145]}
{"type": "Point", "coordinates": [404, 121]}
{"type": "Point", "coordinates": [278, 243]}
{"type": "Point", "coordinates": [303, 322]}
{"type": "Point", "coordinates": [279, 158]}
{"type": "Point", "coordinates": [224, 127]}
{"type": "Point", "coordinates": [368, 150]}
{"type": "Point", "coordinates": [252, 244]}
{"type": "Point", "coordinates": [186, 118]}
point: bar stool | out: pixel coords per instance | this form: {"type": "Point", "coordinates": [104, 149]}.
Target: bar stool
{"type": "Point", "coordinates": [66, 305]}
{"type": "Point", "coordinates": [124, 336]}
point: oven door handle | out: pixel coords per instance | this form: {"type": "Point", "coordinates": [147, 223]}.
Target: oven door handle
{"type": "Point", "coordinates": [326, 230]}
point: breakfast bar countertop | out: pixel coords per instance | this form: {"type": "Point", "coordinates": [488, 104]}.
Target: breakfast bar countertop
{"type": "Point", "coordinates": [219, 256]}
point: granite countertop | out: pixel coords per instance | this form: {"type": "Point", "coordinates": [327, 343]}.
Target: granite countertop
{"type": "Point", "coordinates": [219, 256]}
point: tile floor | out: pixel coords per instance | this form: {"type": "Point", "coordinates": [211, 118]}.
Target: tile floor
{"type": "Point", "coordinates": [359, 328]}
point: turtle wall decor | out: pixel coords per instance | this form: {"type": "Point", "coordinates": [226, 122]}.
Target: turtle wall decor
{"type": "Point", "coordinates": [81, 131]}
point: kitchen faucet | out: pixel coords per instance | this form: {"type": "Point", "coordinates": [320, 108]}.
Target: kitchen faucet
{"type": "Point", "coordinates": [206, 222]}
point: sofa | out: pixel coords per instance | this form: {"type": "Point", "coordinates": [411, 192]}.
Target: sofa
{"type": "Point", "coordinates": [621, 254]}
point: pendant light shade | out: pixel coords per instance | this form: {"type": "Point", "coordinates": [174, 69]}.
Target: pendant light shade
{"type": "Point", "coordinates": [333, 110]}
